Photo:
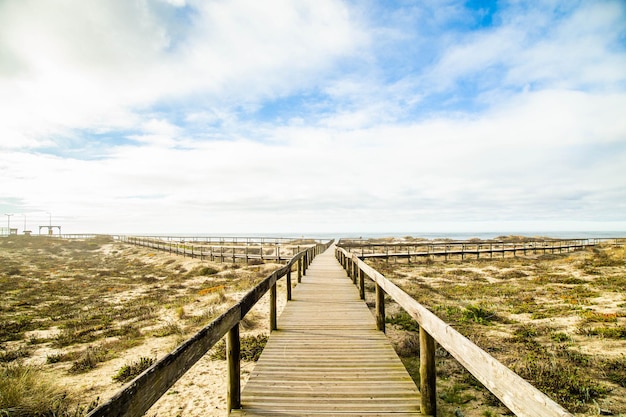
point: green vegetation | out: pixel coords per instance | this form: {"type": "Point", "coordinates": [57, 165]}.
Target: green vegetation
{"type": "Point", "coordinates": [403, 321]}
{"type": "Point", "coordinates": [27, 391]}
{"type": "Point", "coordinates": [250, 348]}
{"type": "Point", "coordinates": [130, 371]}
{"type": "Point", "coordinates": [75, 304]}
{"type": "Point", "coordinates": [540, 315]}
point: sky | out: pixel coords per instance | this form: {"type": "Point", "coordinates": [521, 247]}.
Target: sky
{"type": "Point", "coordinates": [313, 116]}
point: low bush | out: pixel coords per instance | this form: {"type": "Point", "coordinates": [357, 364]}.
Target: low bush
{"type": "Point", "coordinates": [403, 321]}
{"type": "Point", "coordinates": [130, 371]}
{"type": "Point", "coordinates": [479, 314]}
{"type": "Point", "coordinates": [565, 383]}
{"type": "Point", "coordinates": [11, 355]}
{"type": "Point", "coordinates": [250, 348]}
{"type": "Point", "coordinates": [89, 359]}
{"type": "Point", "coordinates": [25, 391]}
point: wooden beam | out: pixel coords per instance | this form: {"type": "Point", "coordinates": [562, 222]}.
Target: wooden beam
{"type": "Point", "coordinates": [273, 324]}
{"type": "Point", "coordinates": [233, 348]}
{"type": "Point", "coordinates": [428, 375]}
{"type": "Point", "coordinates": [380, 308]}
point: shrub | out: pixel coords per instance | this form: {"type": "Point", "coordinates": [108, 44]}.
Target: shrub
{"type": "Point", "coordinates": [408, 346]}
{"type": "Point", "coordinates": [169, 329]}
{"type": "Point", "coordinates": [560, 337]}
{"type": "Point", "coordinates": [615, 370]}
{"type": "Point", "coordinates": [25, 391]}
{"type": "Point", "coordinates": [89, 359]}
{"type": "Point", "coordinates": [250, 347]}
{"type": "Point", "coordinates": [478, 314]}
{"type": "Point", "coordinates": [14, 329]}
{"type": "Point", "coordinates": [568, 384]}
{"type": "Point", "coordinates": [617, 332]}
{"type": "Point", "coordinates": [203, 271]}
{"type": "Point", "coordinates": [130, 371]}
{"type": "Point", "coordinates": [403, 321]}
{"type": "Point", "coordinates": [11, 355]}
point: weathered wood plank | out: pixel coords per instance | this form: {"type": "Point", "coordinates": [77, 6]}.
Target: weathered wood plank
{"type": "Point", "coordinates": [327, 356]}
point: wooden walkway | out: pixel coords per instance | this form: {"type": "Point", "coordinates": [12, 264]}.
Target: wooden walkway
{"type": "Point", "coordinates": [327, 358]}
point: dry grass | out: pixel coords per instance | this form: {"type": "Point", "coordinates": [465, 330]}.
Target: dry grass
{"type": "Point", "coordinates": [71, 306]}
{"type": "Point", "coordinates": [557, 320]}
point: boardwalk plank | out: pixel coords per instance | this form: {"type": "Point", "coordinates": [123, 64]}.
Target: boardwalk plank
{"type": "Point", "coordinates": [327, 358]}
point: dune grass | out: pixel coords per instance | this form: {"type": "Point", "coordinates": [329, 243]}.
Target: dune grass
{"type": "Point", "coordinates": [559, 321]}
{"type": "Point", "coordinates": [85, 302]}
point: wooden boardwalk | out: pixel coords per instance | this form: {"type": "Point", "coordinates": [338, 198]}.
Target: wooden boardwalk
{"type": "Point", "coordinates": [327, 358]}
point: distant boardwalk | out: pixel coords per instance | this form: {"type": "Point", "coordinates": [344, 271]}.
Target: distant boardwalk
{"type": "Point", "coordinates": [327, 358]}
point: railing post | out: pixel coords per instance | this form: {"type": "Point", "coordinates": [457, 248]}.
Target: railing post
{"type": "Point", "coordinates": [428, 381]}
{"type": "Point", "coordinates": [362, 284]}
{"type": "Point", "coordinates": [234, 368]}
{"type": "Point", "coordinates": [380, 308]}
{"type": "Point", "coordinates": [273, 325]}
{"type": "Point", "coordinates": [304, 262]}
{"type": "Point", "coordinates": [289, 283]}
{"type": "Point", "coordinates": [354, 272]}
{"type": "Point", "coordinates": [299, 269]}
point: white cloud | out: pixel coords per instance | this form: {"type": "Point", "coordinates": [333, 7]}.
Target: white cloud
{"type": "Point", "coordinates": [538, 46]}
{"type": "Point", "coordinates": [196, 160]}
{"type": "Point", "coordinates": [78, 65]}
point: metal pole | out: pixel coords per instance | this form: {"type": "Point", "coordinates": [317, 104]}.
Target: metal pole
{"type": "Point", "coordinates": [8, 223]}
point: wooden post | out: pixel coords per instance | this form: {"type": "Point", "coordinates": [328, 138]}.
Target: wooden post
{"type": "Point", "coordinates": [299, 270]}
{"type": "Point", "coordinates": [273, 325]}
{"type": "Point", "coordinates": [361, 284]}
{"type": "Point", "coordinates": [233, 399]}
{"type": "Point", "coordinates": [428, 378]}
{"type": "Point", "coordinates": [289, 283]}
{"type": "Point", "coordinates": [353, 272]}
{"type": "Point", "coordinates": [380, 308]}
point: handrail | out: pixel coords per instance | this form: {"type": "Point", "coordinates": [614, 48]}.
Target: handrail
{"type": "Point", "coordinates": [220, 251]}
{"type": "Point", "coordinates": [223, 239]}
{"type": "Point", "coordinates": [343, 242]}
{"type": "Point", "coordinates": [516, 393]}
{"type": "Point", "coordinates": [141, 393]}
{"type": "Point", "coordinates": [471, 247]}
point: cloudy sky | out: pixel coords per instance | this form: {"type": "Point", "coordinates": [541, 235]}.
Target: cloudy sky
{"type": "Point", "coordinates": [311, 116]}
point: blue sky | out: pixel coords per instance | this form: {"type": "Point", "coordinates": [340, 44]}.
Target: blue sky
{"type": "Point", "coordinates": [239, 116]}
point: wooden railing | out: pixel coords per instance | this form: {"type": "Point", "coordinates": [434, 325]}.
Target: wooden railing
{"type": "Point", "coordinates": [474, 248]}
{"type": "Point", "coordinates": [517, 394]}
{"type": "Point", "coordinates": [274, 249]}
{"type": "Point", "coordinates": [222, 240]}
{"type": "Point", "coordinates": [141, 393]}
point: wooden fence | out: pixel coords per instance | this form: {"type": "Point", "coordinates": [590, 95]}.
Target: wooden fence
{"type": "Point", "coordinates": [470, 248]}
{"type": "Point", "coordinates": [517, 394]}
{"type": "Point", "coordinates": [274, 249]}
{"type": "Point", "coordinates": [141, 393]}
